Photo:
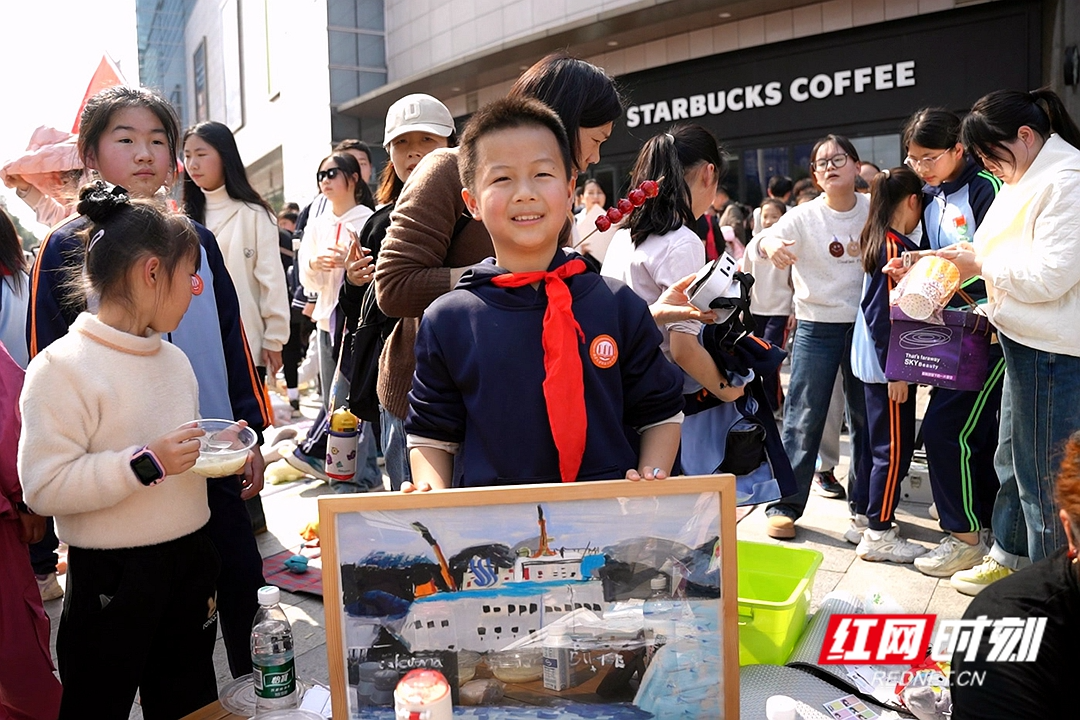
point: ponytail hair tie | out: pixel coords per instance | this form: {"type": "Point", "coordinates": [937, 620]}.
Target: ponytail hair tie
{"type": "Point", "coordinates": [670, 137]}
{"type": "Point", "coordinates": [98, 203]}
{"type": "Point", "coordinates": [885, 172]}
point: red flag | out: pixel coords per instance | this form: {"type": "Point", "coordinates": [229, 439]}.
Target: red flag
{"type": "Point", "coordinates": [106, 75]}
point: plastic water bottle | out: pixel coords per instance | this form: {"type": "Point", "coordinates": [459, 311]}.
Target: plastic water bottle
{"type": "Point", "coordinates": [273, 671]}
{"type": "Point", "coordinates": [557, 647]}
{"type": "Point", "coordinates": [661, 614]}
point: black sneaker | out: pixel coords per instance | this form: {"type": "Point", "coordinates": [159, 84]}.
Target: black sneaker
{"type": "Point", "coordinates": [826, 485]}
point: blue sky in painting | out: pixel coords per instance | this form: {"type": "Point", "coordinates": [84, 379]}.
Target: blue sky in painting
{"type": "Point", "coordinates": [689, 519]}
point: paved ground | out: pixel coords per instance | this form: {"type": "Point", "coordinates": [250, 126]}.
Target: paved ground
{"type": "Point", "coordinates": [289, 507]}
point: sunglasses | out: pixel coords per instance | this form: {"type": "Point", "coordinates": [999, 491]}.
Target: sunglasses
{"type": "Point", "coordinates": [328, 174]}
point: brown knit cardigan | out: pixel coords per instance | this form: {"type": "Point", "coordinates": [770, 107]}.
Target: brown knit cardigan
{"type": "Point", "coordinates": [415, 261]}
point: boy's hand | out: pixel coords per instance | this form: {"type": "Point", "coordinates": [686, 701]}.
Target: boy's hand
{"type": "Point", "coordinates": [646, 473]}
{"type": "Point", "coordinates": [179, 449]}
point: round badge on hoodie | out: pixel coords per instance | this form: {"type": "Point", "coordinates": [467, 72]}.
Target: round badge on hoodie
{"type": "Point", "coordinates": [603, 351]}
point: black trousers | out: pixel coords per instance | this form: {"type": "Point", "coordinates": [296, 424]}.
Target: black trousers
{"type": "Point", "coordinates": [139, 619]}
{"type": "Point", "coordinates": [241, 569]}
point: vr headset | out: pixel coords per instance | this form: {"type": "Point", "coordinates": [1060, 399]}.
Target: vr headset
{"type": "Point", "coordinates": [720, 287]}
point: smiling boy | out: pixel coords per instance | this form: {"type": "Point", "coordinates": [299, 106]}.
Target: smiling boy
{"type": "Point", "coordinates": [533, 369]}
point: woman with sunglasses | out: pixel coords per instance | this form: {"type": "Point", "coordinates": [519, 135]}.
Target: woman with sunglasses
{"type": "Point", "coordinates": [819, 242]}
{"type": "Point", "coordinates": [960, 428]}
{"type": "Point", "coordinates": [325, 249]}
{"type": "Point", "coordinates": [1027, 250]}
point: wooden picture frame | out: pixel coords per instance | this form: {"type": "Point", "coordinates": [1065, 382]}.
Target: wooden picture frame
{"type": "Point", "coordinates": [425, 579]}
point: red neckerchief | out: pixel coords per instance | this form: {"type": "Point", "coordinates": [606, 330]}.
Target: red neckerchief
{"type": "Point", "coordinates": [564, 388]}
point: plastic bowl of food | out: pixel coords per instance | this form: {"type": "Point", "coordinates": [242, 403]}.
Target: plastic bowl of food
{"type": "Point", "coordinates": [467, 660]}
{"type": "Point", "coordinates": [517, 666]}
{"type": "Point", "coordinates": [224, 448]}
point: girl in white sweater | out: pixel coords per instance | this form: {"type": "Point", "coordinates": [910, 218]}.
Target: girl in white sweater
{"type": "Point", "coordinates": [107, 449]}
{"type": "Point", "coordinates": [217, 194]}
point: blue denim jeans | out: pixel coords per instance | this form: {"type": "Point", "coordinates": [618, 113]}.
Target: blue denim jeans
{"type": "Point", "coordinates": [395, 453]}
{"type": "Point", "coordinates": [818, 351]}
{"type": "Point", "coordinates": [1038, 413]}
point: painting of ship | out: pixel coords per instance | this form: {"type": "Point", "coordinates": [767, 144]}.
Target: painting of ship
{"type": "Point", "coordinates": [491, 595]}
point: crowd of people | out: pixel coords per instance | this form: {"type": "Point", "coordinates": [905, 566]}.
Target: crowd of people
{"type": "Point", "coordinates": [466, 280]}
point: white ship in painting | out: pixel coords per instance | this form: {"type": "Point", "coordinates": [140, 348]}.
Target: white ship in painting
{"type": "Point", "coordinates": [495, 607]}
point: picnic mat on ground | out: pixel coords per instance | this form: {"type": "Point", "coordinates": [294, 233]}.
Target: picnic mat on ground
{"type": "Point", "coordinates": [310, 582]}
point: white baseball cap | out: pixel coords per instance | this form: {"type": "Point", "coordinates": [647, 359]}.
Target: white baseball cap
{"type": "Point", "coordinates": [417, 113]}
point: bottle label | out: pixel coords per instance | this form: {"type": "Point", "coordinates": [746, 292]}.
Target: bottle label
{"type": "Point", "coordinates": [274, 681]}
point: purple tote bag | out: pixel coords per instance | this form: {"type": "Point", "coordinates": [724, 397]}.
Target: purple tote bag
{"type": "Point", "coordinates": [952, 355]}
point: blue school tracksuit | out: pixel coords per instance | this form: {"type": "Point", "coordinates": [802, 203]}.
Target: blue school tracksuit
{"type": "Point", "coordinates": [890, 425]}
{"type": "Point", "coordinates": [212, 337]}
{"type": "Point", "coordinates": [960, 430]}
{"type": "Point", "coordinates": [480, 370]}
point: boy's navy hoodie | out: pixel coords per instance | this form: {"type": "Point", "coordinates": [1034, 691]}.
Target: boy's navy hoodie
{"type": "Point", "coordinates": [480, 369]}
{"type": "Point", "coordinates": [210, 333]}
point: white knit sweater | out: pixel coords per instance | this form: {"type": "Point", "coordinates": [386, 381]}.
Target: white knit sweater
{"type": "Point", "coordinates": [828, 274]}
{"type": "Point", "coordinates": [90, 400]}
{"type": "Point", "coordinates": [248, 239]}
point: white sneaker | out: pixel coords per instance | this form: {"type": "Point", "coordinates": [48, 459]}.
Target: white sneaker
{"type": "Point", "coordinates": [950, 557]}
{"type": "Point", "coordinates": [971, 582]}
{"type": "Point", "coordinates": [932, 511]}
{"type": "Point", "coordinates": [855, 530]}
{"type": "Point", "coordinates": [887, 546]}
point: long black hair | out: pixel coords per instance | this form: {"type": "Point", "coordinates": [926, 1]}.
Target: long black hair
{"type": "Point", "coordinates": [12, 259]}
{"type": "Point", "coordinates": [996, 118]}
{"type": "Point", "coordinates": [238, 186]}
{"type": "Point", "coordinates": [581, 94]}
{"type": "Point", "coordinates": [888, 189]}
{"type": "Point", "coordinates": [670, 156]}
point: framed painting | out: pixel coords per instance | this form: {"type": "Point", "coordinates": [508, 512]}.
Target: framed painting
{"type": "Point", "coordinates": [570, 596]}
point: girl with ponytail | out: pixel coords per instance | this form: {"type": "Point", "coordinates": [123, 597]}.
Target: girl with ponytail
{"type": "Point", "coordinates": [658, 246]}
{"type": "Point", "coordinates": [895, 211]}
{"type": "Point", "coordinates": [1027, 251]}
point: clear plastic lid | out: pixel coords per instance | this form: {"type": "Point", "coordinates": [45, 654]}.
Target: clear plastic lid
{"type": "Point", "coordinates": [269, 595]}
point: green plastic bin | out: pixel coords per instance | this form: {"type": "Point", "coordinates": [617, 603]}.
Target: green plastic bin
{"type": "Point", "coordinates": [775, 584]}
